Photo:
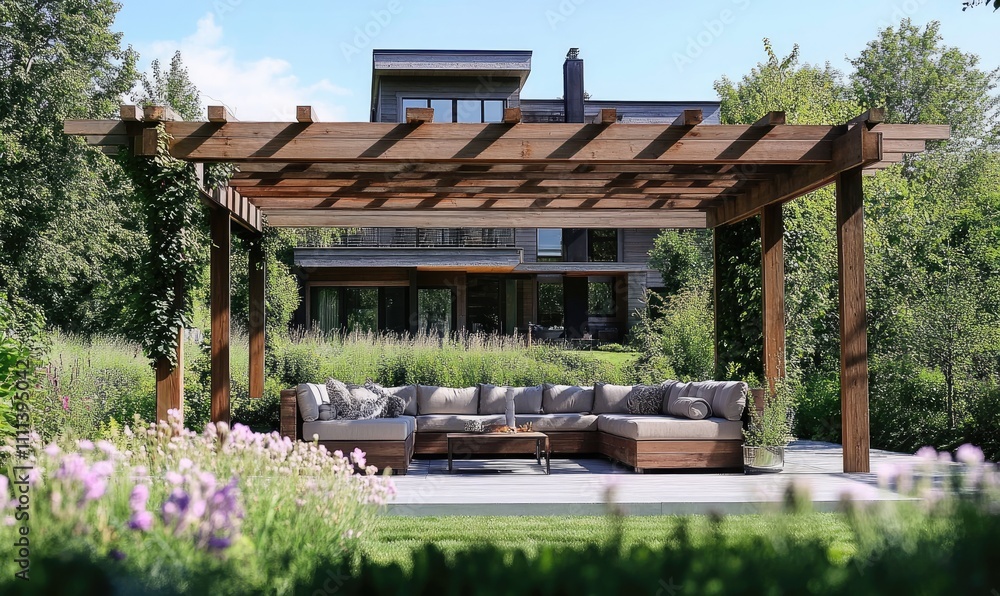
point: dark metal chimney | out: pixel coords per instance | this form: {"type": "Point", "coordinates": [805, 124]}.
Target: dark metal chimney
{"type": "Point", "coordinates": [573, 86]}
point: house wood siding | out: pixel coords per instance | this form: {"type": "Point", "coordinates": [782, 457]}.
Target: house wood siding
{"type": "Point", "coordinates": [484, 87]}
{"type": "Point", "coordinates": [527, 239]}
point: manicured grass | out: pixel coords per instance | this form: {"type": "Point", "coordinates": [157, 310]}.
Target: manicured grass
{"type": "Point", "coordinates": [615, 358]}
{"type": "Point", "coordinates": [395, 538]}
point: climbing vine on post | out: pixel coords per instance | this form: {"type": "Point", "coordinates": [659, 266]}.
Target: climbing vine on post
{"type": "Point", "coordinates": [168, 195]}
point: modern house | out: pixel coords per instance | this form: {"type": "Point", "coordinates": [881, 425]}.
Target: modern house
{"type": "Point", "coordinates": [577, 283]}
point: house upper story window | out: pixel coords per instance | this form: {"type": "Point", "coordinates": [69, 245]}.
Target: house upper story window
{"type": "Point", "coordinates": [602, 245]}
{"type": "Point", "coordinates": [550, 244]}
{"type": "Point", "coordinates": [458, 110]}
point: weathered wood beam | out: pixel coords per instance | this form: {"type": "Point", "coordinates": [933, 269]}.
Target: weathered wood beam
{"type": "Point", "coordinates": [859, 147]}
{"type": "Point", "coordinates": [306, 114]}
{"type": "Point", "coordinates": [553, 192]}
{"type": "Point", "coordinates": [913, 132]}
{"type": "Point", "coordinates": [170, 382]}
{"type": "Point", "coordinates": [241, 210]}
{"type": "Point", "coordinates": [512, 115]}
{"type": "Point", "coordinates": [771, 119]}
{"type": "Point", "coordinates": [689, 118]}
{"type": "Point", "coordinates": [220, 304]}
{"type": "Point", "coordinates": [491, 144]}
{"type": "Point", "coordinates": [220, 114]}
{"type": "Point", "coordinates": [256, 283]}
{"type": "Point", "coordinates": [772, 230]}
{"type": "Point", "coordinates": [268, 204]}
{"type": "Point", "coordinates": [130, 113]}
{"type": "Point", "coordinates": [584, 218]}
{"type": "Point", "coordinates": [160, 114]}
{"type": "Point", "coordinates": [419, 115]}
{"type": "Point", "coordinates": [853, 321]}
{"type": "Point", "coordinates": [871, 117]}
{"type": "Point", "coordinates": [606, 116]}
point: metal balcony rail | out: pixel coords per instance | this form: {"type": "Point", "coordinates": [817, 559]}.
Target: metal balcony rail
{"type": "Point", "coordinates": [412, 237]}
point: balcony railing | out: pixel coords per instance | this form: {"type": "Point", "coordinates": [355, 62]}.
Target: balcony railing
{"type": "Point", "coordinates": [415, 238]}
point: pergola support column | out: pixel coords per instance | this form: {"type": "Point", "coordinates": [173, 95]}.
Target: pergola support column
{"type": "Point", "coordinates": [220, 303]}
{"type": "Point", "coordinates": [772, 230]}
{"type": "Point", "coordinates": [170, 382]}
{"type": "Point", "coordinates": [256, 284]}
{"type": "Point", "coordinates": [853, 323]}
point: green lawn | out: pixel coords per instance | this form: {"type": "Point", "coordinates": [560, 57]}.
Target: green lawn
{"type": "Point", "coordinates": [616, 358]}
{"type": "Point", "coordinates": [396, 537]}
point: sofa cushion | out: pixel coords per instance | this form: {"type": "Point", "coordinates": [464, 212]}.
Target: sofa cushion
{"type": "Point", "coordinates": [666, 387]}
{"type": "Point", "coordinates": [667, 428]}
{"type": "Point", "coordinates": [409, 395]}
{"type": "Point", "coordinates": [353, 402]}
{"type": "Point", "coordinates": [693, 408]}
{"type": "Point", "coordinates": [492, 399]}
{"type": "Point", "coordinates": [567, 399]}
{"type": "Point", "coordinates": [326, 412]}
{"type": "Point", "coordinates": [447, 400]}
{"type": "Point", "coordinates": [527, 400]}
{"type": "Point", "coordinates": [611, 399]}
{"type": "Point", "coordinates": [676, 390]}
{"type": "Point", "coordinates": [559, 422]}
{"type": "Point", "coordinates": [393, 405]}
{"type": "Point", "coordinates": [452, 423]}
{"type": "Point", "coordinates": [730, 399]}
{"type": "Point", "coordinates": [377, 429]}
{"type": "Point", "coordinates": [309, 397]}
{"type": "Point", "coordinates": [645, 399]}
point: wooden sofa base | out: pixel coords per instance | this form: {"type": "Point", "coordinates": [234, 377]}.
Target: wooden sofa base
{"type": "Point", "coordinates": [673, 454]}
{"type": "Point", "coordinates": [394, 455]}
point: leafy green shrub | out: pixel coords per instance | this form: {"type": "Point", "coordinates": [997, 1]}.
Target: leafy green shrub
{"type": "Point", "coordinates": [613, 347]}
{"type": "Point", "coordinates": [982, 425]}
{"type": "Point", "coordinates": [817, 409]}
{"type": "Point", "coordinates": [21, 347]}
{"type": "Point", "coordinates": [677, 336]}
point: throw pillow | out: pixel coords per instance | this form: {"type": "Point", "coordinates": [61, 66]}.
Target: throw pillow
{"type": "Point", "coordinates": [353, 402]}
{"type": "Point", "coordinates": [369, 405]}
{"type": "Point", "coordinates": [694, 408]}
{"type": "Point", "coordinates": [394, 405]}
{"type": "Point", "coordinates": [340, 399]}
{"type": "Point", "coordinates": [645, 399]}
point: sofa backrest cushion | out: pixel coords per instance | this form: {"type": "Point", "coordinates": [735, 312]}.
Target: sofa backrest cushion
{"type": "Point", "coordinates": [447, 400]}
{"type": "Point", "coordinates": [611, 399]}
{"type": "Point", "coordinates": [729, 400]}
{"type": "Point", "coordinates": [409, 395]}
{"type": "Point", "coordinates": [567, 399]}
{"type": "Point", "coordinates": [492, 399]}
{"type": "Point", "coordinates": [527, 400]}
{"type": "Point", "coordinates": [309, 397]}
{"type": "Point", "coordinates": [666, 387]}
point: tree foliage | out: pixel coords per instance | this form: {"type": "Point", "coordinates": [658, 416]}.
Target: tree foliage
{"type": "Point", "coordinates": [171, 87]}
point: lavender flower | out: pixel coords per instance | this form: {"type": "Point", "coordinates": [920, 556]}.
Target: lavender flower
{"type": "Point", "coordinates": [141, 520]}
{"type": "Point", "coordinates": [139, 497]}
{"type": "Point", "coordinates": [358, 456]}
{"type": "Point", "coordinates": [970, 455]}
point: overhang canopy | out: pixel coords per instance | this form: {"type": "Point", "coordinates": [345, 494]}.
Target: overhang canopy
{"type": "Point", "coordinates": [604, 174]}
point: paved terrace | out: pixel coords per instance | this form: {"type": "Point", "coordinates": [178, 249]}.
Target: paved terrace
{"type": "Point", "coordinates": [580, 486]}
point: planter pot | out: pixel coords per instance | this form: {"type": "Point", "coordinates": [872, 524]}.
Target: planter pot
{"type": "Point", "coordinates": [763, 460]}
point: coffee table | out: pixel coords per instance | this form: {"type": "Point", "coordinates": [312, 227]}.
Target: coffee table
{"type": "Point", "coordinates": [501, 443]}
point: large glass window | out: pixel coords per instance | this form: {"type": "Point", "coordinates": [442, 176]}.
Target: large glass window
{"type": "Point", "coordinates": [550, 304]}
{"type": "Point", "coordinates": [435, 307]}
{"type": "Point", "coordinates": [550, 244]}
{"type": "Point", "coordinates": [602, 245]}
{"type": "Point", "coordinates": [325, 309]}
{"type": "Point", "coordinates": [361, 309]}
{"type": "Point", "coordinates": [458, 110]}
{"type": "Point", "coordinates": [601, 298]}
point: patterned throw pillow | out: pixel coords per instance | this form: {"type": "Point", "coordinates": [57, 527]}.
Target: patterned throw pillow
{"type": "Point", "coordinates": [645, 399]}
{"type": "Point", "coordinates": [394, 405]}
{"type": "Point", "coordinates": [353, 402]}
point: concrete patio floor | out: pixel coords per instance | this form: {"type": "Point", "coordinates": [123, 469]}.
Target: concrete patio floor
{"type": "Point", "coordinates": [580, 486]}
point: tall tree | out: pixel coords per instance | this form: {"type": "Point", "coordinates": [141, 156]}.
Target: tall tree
{"type": "Point", "coordinates": [171, 87]}
{"type": "Point", "coordinates": [59, 59]}
{"type": "Point", "coordinates": [918, 79]}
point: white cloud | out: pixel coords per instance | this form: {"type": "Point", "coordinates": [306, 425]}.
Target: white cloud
{"type": "Point", "coordinates": [265, 89]}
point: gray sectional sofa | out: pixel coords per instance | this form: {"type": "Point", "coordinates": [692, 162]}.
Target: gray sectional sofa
{"type": "Point", "coordinates": [595, 420]}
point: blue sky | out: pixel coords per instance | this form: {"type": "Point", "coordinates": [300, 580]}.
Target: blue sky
{"type": "Point", "coordinates": [262, 58]}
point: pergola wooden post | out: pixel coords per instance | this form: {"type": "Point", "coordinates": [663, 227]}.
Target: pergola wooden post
{"type": "Point", "coordinates": [418, 173]}
{"type": "Point", "coordinates": [170, 382]}
{"type": "Point", "coordinates": [853, 323]}
{"type": "Point", "coordinates": [772, 230]}
{"type": "Point", "coordinates": [220, 303]}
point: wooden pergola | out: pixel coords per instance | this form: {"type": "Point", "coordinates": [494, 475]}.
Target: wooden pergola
{"type": "Point", "coordinates": [512, 174]}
